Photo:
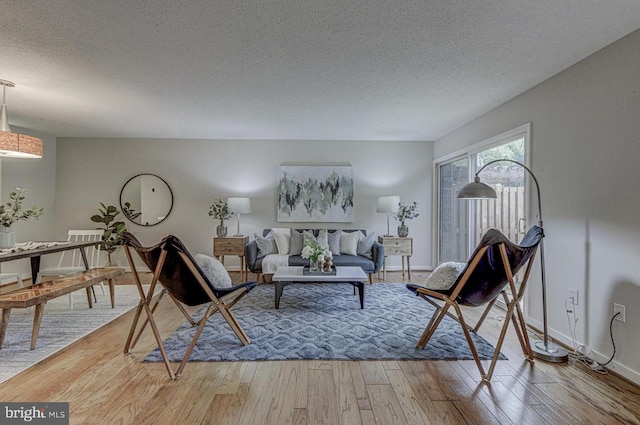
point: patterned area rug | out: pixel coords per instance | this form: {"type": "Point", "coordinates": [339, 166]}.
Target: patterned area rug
{"type": "Point", "coordinates": [324, 321]}
{"type": "Point", "coordinates": [60, 327]}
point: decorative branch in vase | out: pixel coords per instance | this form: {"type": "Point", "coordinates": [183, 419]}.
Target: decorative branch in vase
{"type": "Point", "coordinates": [406, 212]}
{"type": "Point", "coordinates": [219, 210]}
{"type": "Point", "coordinates": [11, 212]}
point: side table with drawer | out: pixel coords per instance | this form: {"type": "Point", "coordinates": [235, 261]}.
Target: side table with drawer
{"type": "Point", "coordinates": [395, 245]}
{"type": "Point", "coordinates": [232, 245]}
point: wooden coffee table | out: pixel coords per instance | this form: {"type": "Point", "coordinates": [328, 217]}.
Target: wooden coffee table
{"type": "Point", "coordinates": [354, 276]}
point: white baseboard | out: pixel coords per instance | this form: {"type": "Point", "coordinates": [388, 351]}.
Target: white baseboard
{"type": "Point", "coordinates": [618, 368]}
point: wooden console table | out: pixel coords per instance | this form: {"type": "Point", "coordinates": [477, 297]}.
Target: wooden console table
{"type": "Point", "coordinates": [232, 245]}
{"type": "Point", "coordinates": [394, 245]}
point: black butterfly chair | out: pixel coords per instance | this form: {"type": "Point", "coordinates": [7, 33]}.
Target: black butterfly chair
{"type": "Point", "coordinates": [488, 273]}
{"type": "Point", "coordinates": [181, 277]}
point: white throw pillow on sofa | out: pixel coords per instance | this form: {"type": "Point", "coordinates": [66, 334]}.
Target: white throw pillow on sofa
{"type": "Point", "coordinates": [282, 235]}
{"type": "Point", "coordinates": [444, 276]}
{"type": "Point", "coordinates": [349, 243]}
{"type": "Point", "coordinates": [214, 270]}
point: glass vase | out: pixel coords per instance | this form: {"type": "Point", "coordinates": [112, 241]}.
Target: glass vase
{"type": "Point", "coordinates": [403, 231]}
{"type": "Point", "coordinates": [313, 265]}
{"type": "Point", "coordinates": [7, 237]}
{"type": "Point", "coordinates": [221, 231]}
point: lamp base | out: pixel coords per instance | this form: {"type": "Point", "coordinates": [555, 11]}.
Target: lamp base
{"type": "Point", "coordinates": [549, 353]}
{"type": "Point", "coordinates": [238, 236]}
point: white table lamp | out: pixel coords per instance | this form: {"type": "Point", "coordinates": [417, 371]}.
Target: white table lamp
{"type": "Point", "coordinates": [388, 205]}
{"type": "Point", "coordinates": [239, 206]}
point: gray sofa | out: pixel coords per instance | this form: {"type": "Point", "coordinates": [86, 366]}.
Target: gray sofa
{"type": "Point", "coordinates": [369, 265]}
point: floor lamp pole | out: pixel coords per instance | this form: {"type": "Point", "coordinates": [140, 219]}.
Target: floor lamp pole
{"type": "Point", "coordinates": [544, 349]}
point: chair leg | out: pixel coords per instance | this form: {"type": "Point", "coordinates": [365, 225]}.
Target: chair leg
{"type": "Point", "coordinates": [500, 341]}
{"type": "Point", "coordinates": [233, 323]}
{"type": "Point", "coordinates": [134, 340]}
{"type": "Point", "coordinates": [194, 340]}
{"type": "Point", "coordinates": [178, 304]}
{"type": "Point", "coordinates": [484, 315]}
{"type": "Point", "coordinates": [521, 330]}
{"type": "Point", "coordinates": [158, 338]}
{"type": "Point", "coordinates": [433, 325]}
{"type": "Point", "coordinates": [472, 346]}
{"type": "Point", "coordinates": [131, 341]}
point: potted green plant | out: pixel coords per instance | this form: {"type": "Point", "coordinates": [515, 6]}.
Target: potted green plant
{"type": "Point", "coordinates": [11, 212]}
{"type": "Point", "coordinates": [406, 212]}
{"type": "Point", "coordinates": [219, 210]}
{"type": "Point", "coordinates": [113, 229]}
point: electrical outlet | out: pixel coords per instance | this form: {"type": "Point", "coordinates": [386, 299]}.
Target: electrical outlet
{"type": "Point", "coordinates": [619, 308]}
{"type": "Point", "coordinates": [573, 294]}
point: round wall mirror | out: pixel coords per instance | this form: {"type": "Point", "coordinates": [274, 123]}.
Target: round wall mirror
{"type": "Point", "coordinates": [146, 199]}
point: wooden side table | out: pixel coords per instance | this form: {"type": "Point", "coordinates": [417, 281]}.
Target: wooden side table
{"type": "Point", "coordinates": [394, 245]}
{"type": "Point", "coordinates": [232, 245]}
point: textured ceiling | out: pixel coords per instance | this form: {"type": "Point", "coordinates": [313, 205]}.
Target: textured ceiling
{"type": "Point", "coordinates": [287, 69]}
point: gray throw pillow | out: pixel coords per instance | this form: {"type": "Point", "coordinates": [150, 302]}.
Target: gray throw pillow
{"type": "Point", "coordinates": [323, 238]}
{"type": "Point", "coordinates": [365, 243]}
{"type": "Point", "coordinates": [333, 239]}
{"type": "Point", "coordinates": [295, 242]}
{"type": "Point", "coordinates": [307, 236]}
{"type": "Point", "coordinates": [266, 244]}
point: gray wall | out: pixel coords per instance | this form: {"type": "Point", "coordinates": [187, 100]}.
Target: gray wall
{"type": "Point", "coordinates": [94, 170]}
{"type": "Point", "coordinates": [585, 149]}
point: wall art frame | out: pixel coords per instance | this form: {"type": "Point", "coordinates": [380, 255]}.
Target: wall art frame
{"type": "Point", "coordinates": [315, 193]}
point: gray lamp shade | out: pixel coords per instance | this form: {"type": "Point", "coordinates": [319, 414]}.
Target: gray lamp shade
{"type": "Point", "coordinates": [239, 205]}
{"type": "Point", "coordinates": [388, 204]}
{"type": "Point", "coordinates": [477, 190]}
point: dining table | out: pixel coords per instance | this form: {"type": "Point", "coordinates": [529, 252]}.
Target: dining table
{"type": "Point", "coordinates": [35, 250]}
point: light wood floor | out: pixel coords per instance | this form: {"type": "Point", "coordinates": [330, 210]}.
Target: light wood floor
{"type": "Point", "coordinates": [103, 385]}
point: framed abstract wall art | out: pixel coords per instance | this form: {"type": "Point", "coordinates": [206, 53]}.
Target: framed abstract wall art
{"type": "Point", "coordinates": [315, 193]}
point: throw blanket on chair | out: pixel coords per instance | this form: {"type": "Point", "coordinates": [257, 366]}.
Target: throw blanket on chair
{"type": "Point", "coordinates": [271, 262]}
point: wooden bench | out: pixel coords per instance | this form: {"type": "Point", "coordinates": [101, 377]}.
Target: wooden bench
{"type": "Point", "coordinates": [38, 295]}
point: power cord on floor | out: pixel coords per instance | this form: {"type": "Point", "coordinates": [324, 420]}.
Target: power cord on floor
{"type": "Point", "coordinates": [579, 351]}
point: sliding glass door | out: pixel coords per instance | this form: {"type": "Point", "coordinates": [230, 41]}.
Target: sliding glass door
{"type": "Point", "coordinates": [454, 215]}
{"type": "Point", "coordinates": [506, 212]}
{"type": "Point", "coordinates": [462, 223]}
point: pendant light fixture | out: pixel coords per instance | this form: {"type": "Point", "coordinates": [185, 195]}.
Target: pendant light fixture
{"type": "Point", "coordinates": [15, 145]}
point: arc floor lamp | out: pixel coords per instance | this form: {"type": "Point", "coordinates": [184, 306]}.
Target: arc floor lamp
{"type": "Point", "coordinates": [544, 350]}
